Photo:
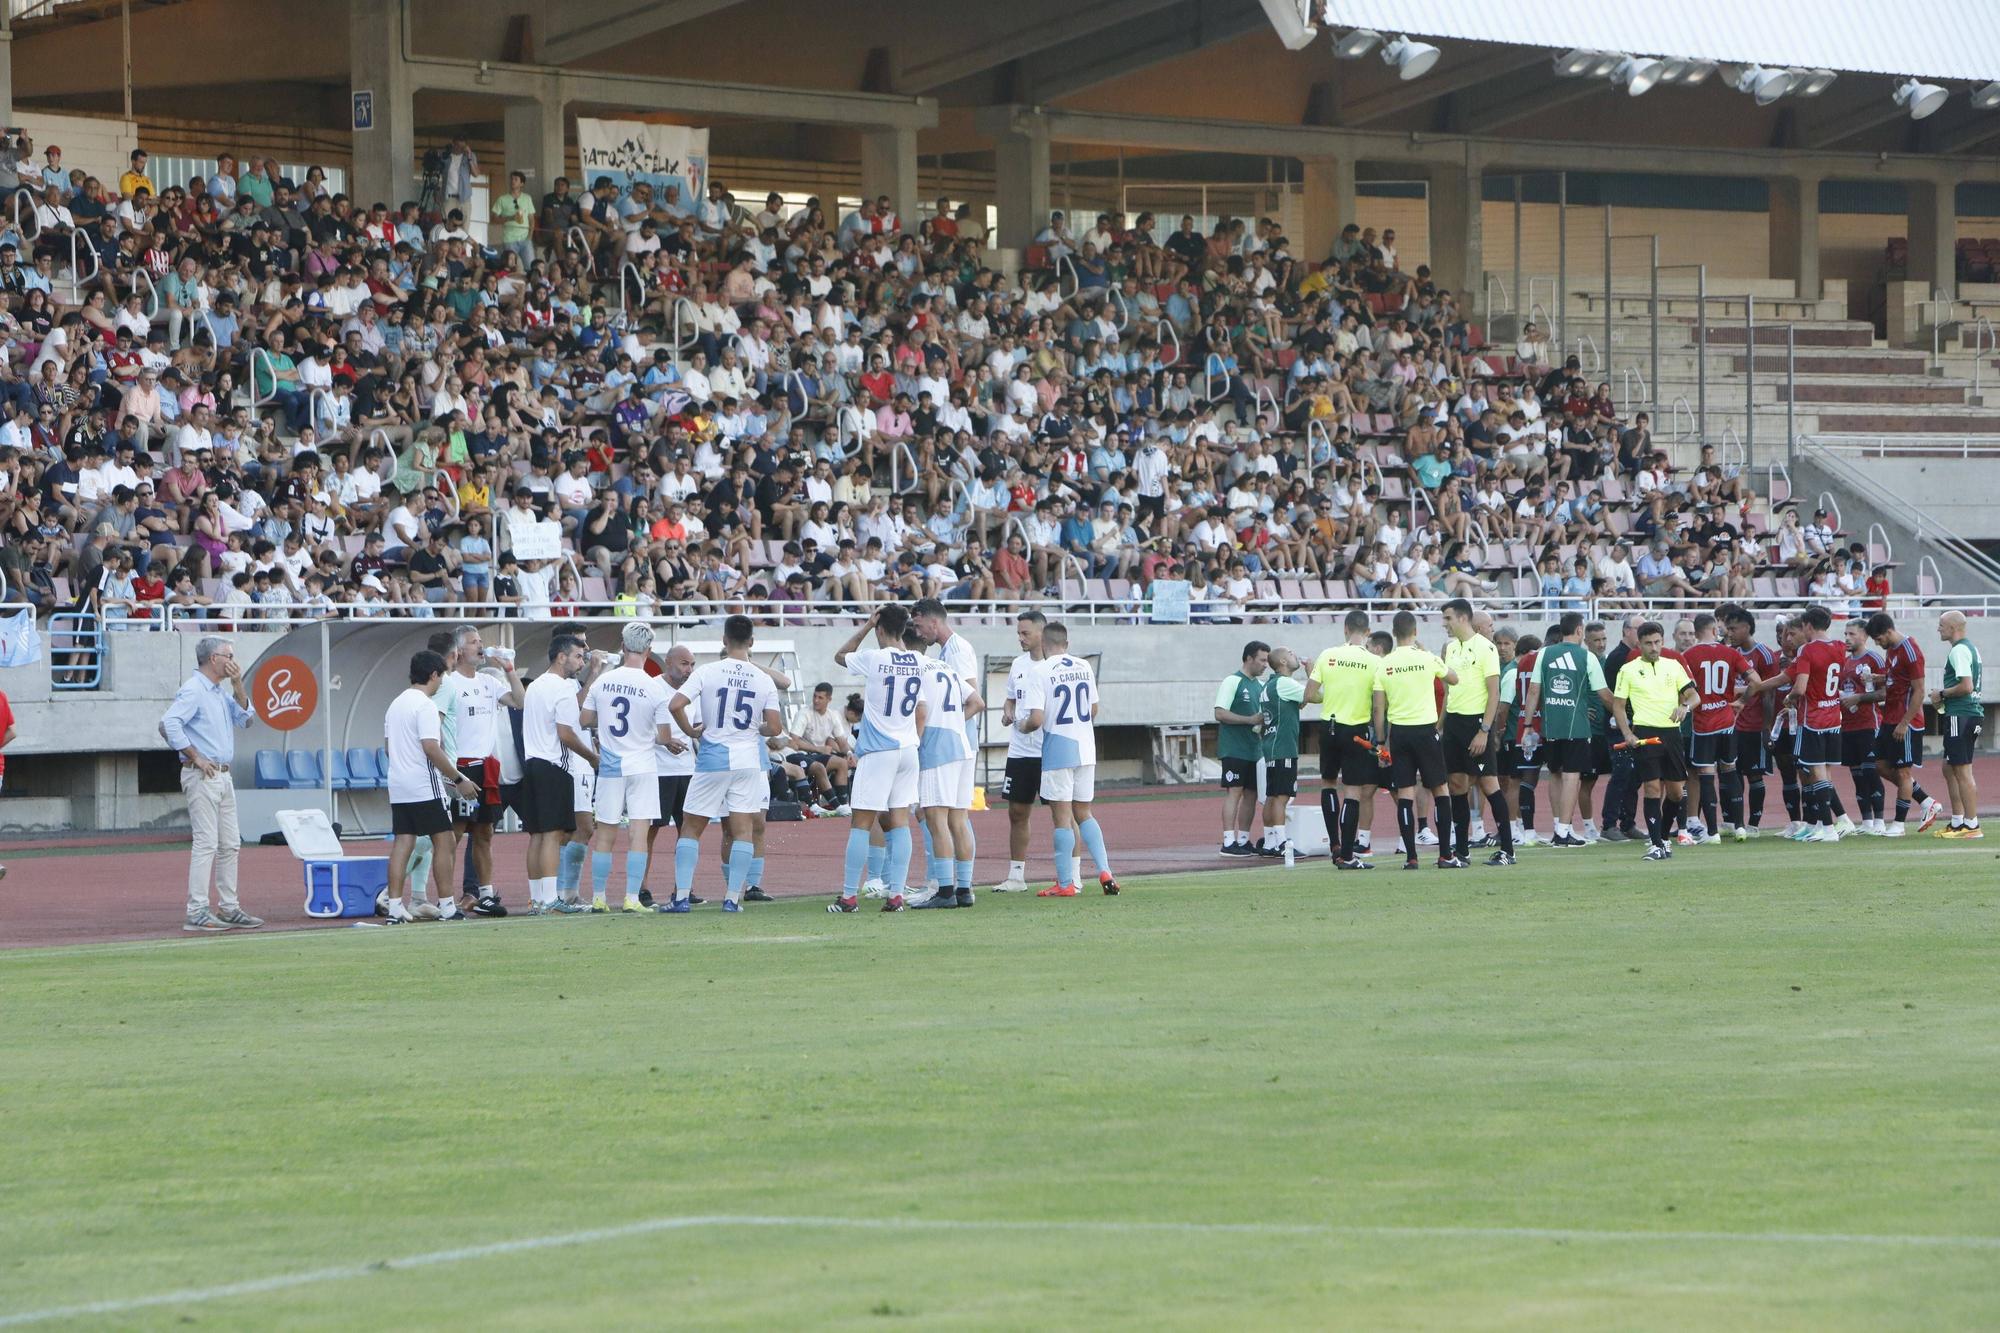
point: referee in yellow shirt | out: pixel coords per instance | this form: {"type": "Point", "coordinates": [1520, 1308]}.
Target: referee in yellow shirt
{"type": "Point", "coordinates": [1406, 714]}
{"type": "Point", "coordinates": [1342, 682]}
{"type": "Point", "coordinates": [1651, 697]}
{"type": "Point", "coordinates": [1471, 746]}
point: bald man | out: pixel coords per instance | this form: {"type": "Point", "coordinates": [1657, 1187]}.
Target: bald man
{"type": "Point", "coordinates": [1961, 716]}
{"type": "Point", "coordinates": [675, 766]}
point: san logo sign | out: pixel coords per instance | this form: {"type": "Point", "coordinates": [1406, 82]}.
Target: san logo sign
{"type": "Point", "coordinates": [284, 693]}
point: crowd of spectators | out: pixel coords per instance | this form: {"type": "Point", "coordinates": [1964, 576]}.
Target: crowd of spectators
{"type": "Point", "coordinates": [261, 400]}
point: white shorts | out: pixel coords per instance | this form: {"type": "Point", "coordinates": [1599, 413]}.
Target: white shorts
{"type": "Point", "coordinates": [885, 780]}
{"type": "Point", "coordinates": [628, 795]}
{"type": "Point", "coordinates": [1070, 784]}
{"type": "Point", "coordinates": [947, 787]}
{"type": "Point", "coordinates": [740, 791]}
{"type": "Point", "coordinates": [583, 788]}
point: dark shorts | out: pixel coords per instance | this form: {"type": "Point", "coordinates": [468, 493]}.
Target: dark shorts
{"type": "Point", "coordinates": [1905, 753]}
{"type": "Point", "coordinates": [1659, 763]}
{"type": "Point", "coordinates": [1857, 748]}
{"type": "Point", "coordinates": [1814, 748]}
{"type": "Point", "coordinates": [1712, 748]}
{"type": "Point", "coordinates": [1021, 784]}
{"type": "Point", "coordinates": [548, 798]}
{"type": "Point", "coordinates": [1515, 763]}
{"type": "Point", "coordinates": [673, 797]}
{"type": "Point", "coordinates": [1576, 755]}
{"type": "Point", "coordinates": [421, 818]}
{"type": "Point", "coordinates": [1961, 738]}
{"type": "Point", "coordinates": [1752, 754]}
{"type": "Point", "coordinates": [1459, 731]}
{"type": "Point", "coordinates": [1349, 753]}
{"type": "Point", "coordinates": [1416, 756]}
{"type": "Point", "coordinates": [1281, 777]}
{"type": "Point", "coordinates": [510, 797]}
{"type": "Point", "coordinates": [1600, 756]}
{"type": "Point", "coordinates": [1239, 773]}
{"type": "Point", "coordinates": [484, 808]}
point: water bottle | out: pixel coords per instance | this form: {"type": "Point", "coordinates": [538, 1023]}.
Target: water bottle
{"type": "Point", "coordinates": [1289, 857]}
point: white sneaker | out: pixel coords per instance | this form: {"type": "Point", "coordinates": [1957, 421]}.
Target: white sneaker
{"type": "Point", "coordinates": [874, 888]}
{"type": "Point", "coordinates": [1824, 833]}
{"type": "Point", "coordinates": [1872, 827]}
{"type": "Point", "coordinates": [1590, 830]}
{"type": "Point", "coordinates": [425, 910]}
{"type": "Point", "coordinates": [399, 912]}
{"type": "Point", "coordinates": [1363, 842]}
{"type": "Point", "coordinates": [1426, 838]}
{"type": "Point", "coordinates": [1845, 826]}
{"type": "Point", "coordinates": [1895, 830]}
{"type": "Point", "coordinates": [448, 911]}
{"type": "Point", "coordinates": [1932, 809]}
{"type": "Point", "coordinates": [1526, 838]}
{"type": "Point", "coordinates": [1011, 886]}
{"type": "Point", "coordinates": [1711, 840]}
{"type": "Point", "coordinates": [918, 897]}
{"type": "Point", "coordinates": [1685, 838]}
{"type": "Point", "coordinates": [1740, 833]}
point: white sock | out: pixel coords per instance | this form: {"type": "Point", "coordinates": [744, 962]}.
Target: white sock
{"type": "Point", "coordinates": [485, 891]}
{"type": "Point", "coordinates": [1562, 829]}
{"type": "Point", "coordinates": [1017, 870]}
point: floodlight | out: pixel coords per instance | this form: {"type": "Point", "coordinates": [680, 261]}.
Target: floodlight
{"type": "Point", "coordinates": [1922, 99]}
{"type": "Point", "coordinates": [1811, 82]}
{"type": "Point", "coordinates": [1356, 44]}
{"type": "Point", "coordinates": [1697, 72]}
{"type": "Point", "coordinates": [1987, 98]}
{"type": "Point", "coordinates": [1638, 74]}
{"type": "Point", "coordinates": [1410, 60]}
{"type": "Point", "coordinates": [1292, 20]}
{"type": "Point", "coordinates": [1572, 64]}
{"type": "Point", "coordinates": [1766, 85]}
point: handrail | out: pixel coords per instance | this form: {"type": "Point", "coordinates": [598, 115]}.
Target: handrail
{"type": "Point", "coordinates": [1175, 334]}
{"type": "Point", "coordinates": [449, 488]}
{"type": "Point", "coordinates": [1121, 315]}
{"type": "Point", "coordinates": [1937, 577]}
{"type": "Point", "coordinates": [897, 453]}
{"type": "Point", "coordinates": [1885, 446]}
{"type": "Point", "coordinates": [256, 400]}
{"type": "Point", "coordinates": [1534, 305]}
{"type": "Point", "coordinates": [1826, 501]}
{"type": "Point", "coordinates": [1501, 307]}
{"type": "Point", "coordinates": [76, 279]}
{"type": "Point", "coordinates": [849, 445]}
{"type": "Point", "coordinates": [1544, 322]}
{"type": "Point", "coordinates": [320, 395]}
{"type": "Point", "coordinates": [1888, 550]}
{"type": "Point", "coordinates": [1982, 336]}
{"type": "Point", "coordinates": [1773, 471]}
{"type": "Point", "coordinates": [139, 275]}
{"type": "Point", "coordinates": [1938, 298]}
{"type": "Point", "coordinates": [1680, 405]}
{"type": "Point", "coordinates": [1076, 279]}
{"type": "Point", "coordinates": [26, 234]}
{"type": "Point", "coordinates": [624, 296]}
{"type": "Point", "coordinates": [1728, 441]}
{"type": "Point", "coordinates": [1596, 364]}
{"type": "Point", "coordinates": [1919, 521]}
{"type": "Point", "coordinates": [681, 344]}
{"type": "Point", "coordinates": [1625, 379]}
{"type": "Point", "coordinates": [1326, 435]}
{"type": "Point", "coordinates": [1208, 377]}
{"type": "Point", "coordinates": [1261, 393]}
{"type": "Point", "coordinates": [579, 241]}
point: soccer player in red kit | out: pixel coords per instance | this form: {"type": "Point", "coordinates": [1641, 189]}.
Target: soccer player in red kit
{"type": "Point", "coordinates": [1752, 757]}
{"type": "Point", "coordinates": [1815, 673]}
{"type": "Point", "coordinates": [1720, 673]}
{"type": "Point", "coordinates": [1861, 689]}
{"type": "Point", "coordinates": [1899, 743]}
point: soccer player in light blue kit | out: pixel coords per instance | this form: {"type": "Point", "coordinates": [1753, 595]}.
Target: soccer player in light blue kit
{"type": "Point", "coordinates": [1061, 701]}
{"type": "Point", "coordinates": [944, 780]}
{"type": "Point", "coordinates": [886, 767]}
{"type": "Point", "coordinates": [738, 707]}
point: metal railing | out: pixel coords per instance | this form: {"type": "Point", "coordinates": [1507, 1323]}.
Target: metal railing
{"type": "Point", "coordinates": [1983, 338]}
{"type": "Point", "coordinates": [1879, 536]}
{"type": "Point", "coordinates": [140, 275]}
{"type": "Point", "coordinates": [77, 249]}
{"type": "Point", "coordinates": [257, 400]}
{"type": "Point", "coordinates": [1595, 362]}
{"type": "Point", "coordinates": [1629, 376]}
{"type": "Point", "coordinates": [681, 344]}
{"type": "Point", "coordinates": [580, 243]}
{"type": "Point", "coordinates": [1075, 279]}
{"type": "Point", "coordinates": [76, 650]}
{"type": "Point", "coordinates": [1502, 306]}
{"type": "Point", "coordinates": [26, 233]}
{"type": "Point", "coordinates": [1919, 444]}
{"type": "Point", "coordinates": [625, 292]}
{"type": "Point", "coordinates": [1922, 524]}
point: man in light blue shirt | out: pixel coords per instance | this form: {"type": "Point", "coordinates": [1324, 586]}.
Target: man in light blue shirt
{"type": "Point", "coordinates": [201, 723]}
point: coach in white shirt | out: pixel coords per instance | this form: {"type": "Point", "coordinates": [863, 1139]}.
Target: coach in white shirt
{"type": "Point", "coordinates": [419, 774]}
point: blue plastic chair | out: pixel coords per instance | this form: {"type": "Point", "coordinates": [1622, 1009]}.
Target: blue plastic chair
{"type": "Point", "coordinates": [302, 769]}
{"type": "Point", "coordinates": [271, 770]}
{"type": "Point", "coordinates": [381, 767]}
{"type": "Point", "coordinates": [341, 779]}
{"type": "Point", "coordinates": [361, 775]}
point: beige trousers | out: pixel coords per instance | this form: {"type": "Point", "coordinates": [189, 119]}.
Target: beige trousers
{"type": "Point", "coordinates": [212, 813]}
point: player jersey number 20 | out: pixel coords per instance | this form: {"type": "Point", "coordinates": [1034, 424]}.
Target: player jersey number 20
{"type": "Point", "coordinates": [1068, 698]}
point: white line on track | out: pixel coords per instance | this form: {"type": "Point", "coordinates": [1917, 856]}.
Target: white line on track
{"type": "Point", "coordinates": [656, 1225]}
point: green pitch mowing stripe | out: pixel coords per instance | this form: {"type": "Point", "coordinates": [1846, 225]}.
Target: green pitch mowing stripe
{"type": "Point", "coordinates": [1749, 1087]}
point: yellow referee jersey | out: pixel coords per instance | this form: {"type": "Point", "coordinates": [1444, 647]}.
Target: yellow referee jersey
{"type": "Point", "coordinates": [1405, 679]}
{"type": "Point", "coordinates": [1346, 676]}
{"type": "Point", "coordinates": [1476, 661]}
{"type": "Point", "coordinates": [1651, 690]}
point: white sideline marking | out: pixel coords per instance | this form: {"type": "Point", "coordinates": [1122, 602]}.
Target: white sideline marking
{"type": "Point", "coordinates": [655, 1225]}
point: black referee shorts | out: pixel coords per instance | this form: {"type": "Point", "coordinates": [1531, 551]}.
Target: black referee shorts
{"type": "Point", "coordinates": [1415, 754]}
{"type": "Point", "coordinates": [1460, 729]}
{"type": "Point", "coordinates": [1659, 763]}
{"type": "Point", "coordinates": [1350, 753]}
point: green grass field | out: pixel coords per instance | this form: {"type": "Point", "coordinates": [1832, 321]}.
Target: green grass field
{"type": "Point", "coordinates": [1755, 1088]}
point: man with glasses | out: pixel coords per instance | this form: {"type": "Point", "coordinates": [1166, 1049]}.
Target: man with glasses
{"type": "Point", "coordinates": [200, 723]}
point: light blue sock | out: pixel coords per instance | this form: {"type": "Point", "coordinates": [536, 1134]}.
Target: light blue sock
{"type": "Point", "coordinates": [687, 852]}
{"type": "Point", "coordinates": [418, 884]}
{"type": "Point", "coordinates": [756, 880]}
{"type": "Point", "coordinates": [968, 846]}
{"type": "Point", "coordinates": [600, 874]}
{"type": "Point", "coordinates": [569, 869]}
{"type": "Point", "coordinates": [931, 875]}
{"type": "Point", "coordinates": [1065, 856]}
{"type": "Point", "coordinates": [962, 874]}
{"type": "Point", "coordinates": [739, 869]}
{"type": "Point", "coordinates": [1093, 840]}
{"type": "Point", "coordinates": [896, 865]}
{"type": "Point", "coordinates": [876, 856]}
{"type": "Point", "coordinates": [635, 872]}
{"type": "Point", "coordinates": [859, 854]}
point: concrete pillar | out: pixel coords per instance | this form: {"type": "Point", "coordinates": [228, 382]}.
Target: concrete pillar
{"type": "Point", "coordinates": [1458, 259]}
{"type": "Point", "coordinates": [535, 147]}
{"type": "Point", "coordinates": [1329, 205]}
{"type": "Point", "coordinates": [889, 166]}
{"type": "Point", "coordinates": [384, 156]}
{"type": "Point", "coordinates": [1795, 233]}
{"type": "Point", "coordinates": [6, 75]}
{"type": "Point", "coordinates": [1934, 236]}
{"type": "Point", "coordinates": [1021, 160]}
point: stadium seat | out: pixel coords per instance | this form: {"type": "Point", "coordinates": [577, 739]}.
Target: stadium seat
{"type": "Point", "coordinates": [270, 770]}
{"type": "Point", "coordinates": [381, 767]}
{"type": "Point", "coordinates": [361, 774]}
{"type": "Point", "coordinates": [341, 780]}
{"type": "Point", "coordinates": [302, 769]}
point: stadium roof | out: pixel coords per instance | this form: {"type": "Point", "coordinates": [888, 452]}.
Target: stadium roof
{"type": "Point", "coordinates": [1937, 39]}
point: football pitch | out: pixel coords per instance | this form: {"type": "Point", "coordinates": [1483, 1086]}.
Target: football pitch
{"type": "Point", "coordinates": [1753, 1087]}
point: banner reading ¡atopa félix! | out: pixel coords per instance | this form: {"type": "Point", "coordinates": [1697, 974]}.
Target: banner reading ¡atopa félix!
{"type": "Point", "coordinates": [629, 150]}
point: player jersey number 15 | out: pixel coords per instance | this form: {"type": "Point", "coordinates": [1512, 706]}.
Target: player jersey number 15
{"type": "Point", "coordinates": [742, 715]}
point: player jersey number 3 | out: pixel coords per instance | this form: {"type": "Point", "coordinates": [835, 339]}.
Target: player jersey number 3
{"type": "Point", "coordinates": [1072, 703]}
{"type": "Point", "coordinates": [621, 715]}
